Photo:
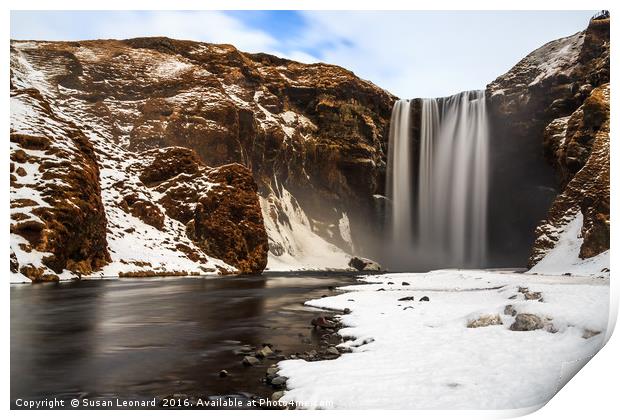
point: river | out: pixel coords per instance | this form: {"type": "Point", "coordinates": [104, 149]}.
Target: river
{"type": "Point", "coordinates": [145, 338]}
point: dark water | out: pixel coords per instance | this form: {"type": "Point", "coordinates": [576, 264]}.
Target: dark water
{"type": "Point", "coordinates": [154, 337]}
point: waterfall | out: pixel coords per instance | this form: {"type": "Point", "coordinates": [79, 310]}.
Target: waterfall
{"type": "Point", "coordinates": [399, 174]}
{"type": "Point", "coordinates": [439, 214]}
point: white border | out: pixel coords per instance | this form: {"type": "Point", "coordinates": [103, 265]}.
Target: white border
{"type": "Point", "coordinates": [592, 394]}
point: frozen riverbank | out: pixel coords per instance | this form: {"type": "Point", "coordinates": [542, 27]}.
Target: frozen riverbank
{"type": "Point", "coordinates": [408, 353]}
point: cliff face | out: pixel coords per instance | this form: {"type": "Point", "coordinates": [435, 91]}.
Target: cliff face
{"type": "Point", "coordinates": [578, 146]}
{"type": "Point", "coordinates": [57, 216]}
{"type": "Point", "coordinates": [557, 97]}
{"type": "Point", "coordinates": [141, 127]}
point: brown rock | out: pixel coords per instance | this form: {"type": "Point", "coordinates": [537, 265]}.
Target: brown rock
{"type": "Point", "coordinates": [542, 100]}
{"type": "Point", "coordinates": [582, 158]}
{"type": "Point", "coordinates": [228, 223]}
{"type": "Point", "coordinates": [316, 128]}
{"type": "Point", "coordinates": [168, 163]}
{"type": "Point", "coordinates": [527, 322]}
{"type": "Point", "coordinates": [72, 224]}
{"type": "Point", "coordinates": [149, 213]}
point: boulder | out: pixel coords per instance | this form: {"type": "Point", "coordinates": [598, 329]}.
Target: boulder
{"type": "Point", "coordinates": [527, 322]}
{"type": "Point", "coordinates": [250, 361]}
{"type": "Point", "coordinates": [321, 322]}
{"type": "Point", "coordinates": [364, 264]}
{"type": "Point", "coordinates": [264, 352]}
{"type": "Point", "coordinates": [277, 395]}
{"type": "Point", "coordinates": [485, 321]}
{"type": "Point", "coordinates": [333, 350]}
{"type": "Point", "coordinates": [588, 333]}
{"type": "Point", "coordinates": [532, 296]}
{"type": "Point", "coordinates": [279, 381]}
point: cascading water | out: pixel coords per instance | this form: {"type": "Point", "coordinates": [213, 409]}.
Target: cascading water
{"type": "Point", "coordinates": [445, 224]}
{"type": "Point", "coordinates": [399, 173]}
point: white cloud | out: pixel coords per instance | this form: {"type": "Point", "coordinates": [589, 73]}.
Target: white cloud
{"type": "Point", "coordinates": [208, 26]}
{"type": "Point", "coordinates": [409, 53]}
{"type": "Point", "coordinates": [430, 54]}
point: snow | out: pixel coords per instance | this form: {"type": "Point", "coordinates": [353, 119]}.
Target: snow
{"type": "Point", "coordinates": [171, 68]}
{"type": "Point", "coordinates": [345, 230]}
{"type": "Point", "coordinates": [421, 355]}
{"type": "Point", "coordinates": [131, 242]}
{"type": "Point", "coordinates": [289, 117]}
{"type": "Point", "coordinates": [302, 249]}
{"type": "Point", "coordinates": [562, 55]}
{"type": "Point", "coordinates": [564, 257]}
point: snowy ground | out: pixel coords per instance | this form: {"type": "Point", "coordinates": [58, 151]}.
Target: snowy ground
{"type": "Point", "coordinates": [421, 355]}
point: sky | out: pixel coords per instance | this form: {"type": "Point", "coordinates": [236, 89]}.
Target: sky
{"type": "Point", "coordinates": [409, 53]}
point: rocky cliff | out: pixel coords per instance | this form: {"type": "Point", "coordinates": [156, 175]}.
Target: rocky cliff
{"type": "Point", "coordinates": [553, 106]}
{"type": "Point", "coordinates": [144, 156]}
{"type": "Point", "coordinates": [154, 156]}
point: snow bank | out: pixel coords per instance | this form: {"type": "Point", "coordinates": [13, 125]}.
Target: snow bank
{"type": "Point", "coordinates": [564, 257]}
{"type": "Point", "coordinates": [421, 355]}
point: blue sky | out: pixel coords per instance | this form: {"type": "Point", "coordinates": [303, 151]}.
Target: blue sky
{"type": "Point", "coordinates": [409, 53]}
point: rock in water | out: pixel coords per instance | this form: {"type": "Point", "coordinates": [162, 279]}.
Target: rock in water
{"type": "Point", "coordinates": [321, 322]}
{"type": "Point", "coordinates": [333, 350]}
{"type": "Point", "coordinates": [527, 322]}
{"type": "Point", "coordinates": [279, 381]}
{"type": "Point", "coordinates": [249, 360]}
{"type": "Point", "coordinates": [223, 373]}
{"type": "Point", "coordinates": [264, 352]}
{"type": "Point", "coordinates": [364, 264]}
{"type": "Point", "coordinates": [424, 299]}
{"type": "Point", "coordinates": [277, 395]}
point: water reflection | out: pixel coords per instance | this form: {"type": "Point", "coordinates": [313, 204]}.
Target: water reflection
{"type": "Point", "coordinates": [137, 337]}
